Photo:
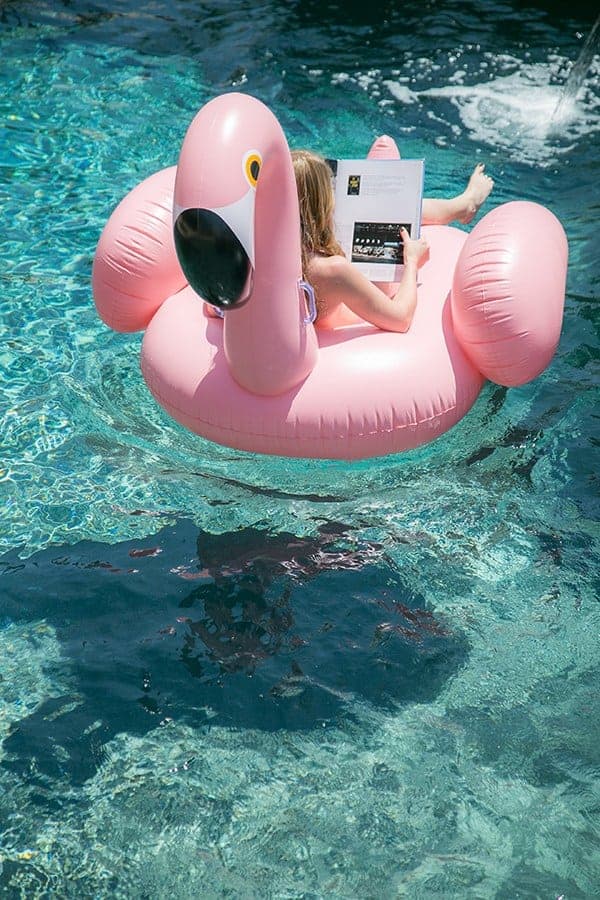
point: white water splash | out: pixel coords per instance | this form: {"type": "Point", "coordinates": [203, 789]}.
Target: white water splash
{"type": "Point", "coordinates": [514, 112]}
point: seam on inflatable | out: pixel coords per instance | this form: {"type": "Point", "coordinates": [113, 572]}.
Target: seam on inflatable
{"type": "Point", "coordinates": [131, 296]}
{"type": "Point", "coordinates": [486, 252]}
{"type": "Point", "coordinates": [145, 233]}
{"type": "Point", "coordinates": [136, 252]}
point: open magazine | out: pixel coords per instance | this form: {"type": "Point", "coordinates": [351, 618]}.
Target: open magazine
{"type": "Point", "coordinates": [374, 198]}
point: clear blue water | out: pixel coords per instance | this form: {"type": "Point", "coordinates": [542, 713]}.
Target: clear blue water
{"type": "Point", "coordinates": [224, 675]}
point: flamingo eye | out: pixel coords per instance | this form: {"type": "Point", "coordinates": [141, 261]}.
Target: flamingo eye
{"type": "Point", "coordinates": [252, 162]}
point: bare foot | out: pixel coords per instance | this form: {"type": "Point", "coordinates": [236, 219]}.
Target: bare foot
{"type": "Point", "coordinates": [477, 190]}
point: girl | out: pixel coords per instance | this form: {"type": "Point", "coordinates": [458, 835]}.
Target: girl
{"type": "Point", "coordinates": [336, 282]}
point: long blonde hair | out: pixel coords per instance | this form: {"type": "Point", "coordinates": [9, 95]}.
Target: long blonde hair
{"type": "Point", "coordinates": [315, 199]}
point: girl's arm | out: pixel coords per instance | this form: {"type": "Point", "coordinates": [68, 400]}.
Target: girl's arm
{"type": "Point", "coordinates": [337, 281]}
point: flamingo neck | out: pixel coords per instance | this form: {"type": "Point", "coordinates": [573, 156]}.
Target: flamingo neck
{"type": "Point", "coordinates": [268, 347]}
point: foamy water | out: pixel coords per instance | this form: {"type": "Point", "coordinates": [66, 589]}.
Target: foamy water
{"type": "Point", "coordinates": [515, 113]}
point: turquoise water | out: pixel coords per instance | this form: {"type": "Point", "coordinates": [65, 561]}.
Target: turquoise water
{"type": "Point", "coordinates": [224, 675]}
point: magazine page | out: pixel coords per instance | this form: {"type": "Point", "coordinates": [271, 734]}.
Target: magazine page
{"type": "Point", "coordinates": [374, 198]}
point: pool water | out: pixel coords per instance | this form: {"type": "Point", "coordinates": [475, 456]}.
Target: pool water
{"type": "Point", "coordinates": [226, 675]}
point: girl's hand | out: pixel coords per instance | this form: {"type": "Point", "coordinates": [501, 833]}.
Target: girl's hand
{"type": "Point", "coordinates": [414, 251]}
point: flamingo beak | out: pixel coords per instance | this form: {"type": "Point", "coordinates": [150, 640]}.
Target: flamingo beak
{"type": "Point", "coordinates": [215, 249]}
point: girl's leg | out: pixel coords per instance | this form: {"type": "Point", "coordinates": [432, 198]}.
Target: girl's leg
{"type": "Point", "coordinates": [462, 208]}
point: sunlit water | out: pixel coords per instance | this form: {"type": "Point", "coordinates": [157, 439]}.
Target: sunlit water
{"type": "Point", "coordinates": [231, 675]}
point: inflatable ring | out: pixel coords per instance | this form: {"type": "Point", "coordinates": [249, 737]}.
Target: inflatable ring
{"type": "Point", "coordinates": [261, 377]}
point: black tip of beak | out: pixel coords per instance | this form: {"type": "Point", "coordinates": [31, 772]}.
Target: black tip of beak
{"type": "Point", "coordinates": [211, 256]}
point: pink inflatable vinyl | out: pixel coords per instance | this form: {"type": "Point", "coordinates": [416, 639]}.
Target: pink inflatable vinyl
{"type": "Point", "coordinates": [262, 378]}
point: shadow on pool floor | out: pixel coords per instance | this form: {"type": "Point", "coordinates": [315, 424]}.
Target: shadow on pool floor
{"type": "Point", "coordinates": [250, 629]}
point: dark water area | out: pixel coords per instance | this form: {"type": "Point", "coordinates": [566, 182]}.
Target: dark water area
{"type": "Point", "coordinates": [275, 636]}
{"type": "Point", "coordinates": [234, 44]}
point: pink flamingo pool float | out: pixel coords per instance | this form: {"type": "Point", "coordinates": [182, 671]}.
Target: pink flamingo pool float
{"type": "Point", "coordinates": [223, 227]}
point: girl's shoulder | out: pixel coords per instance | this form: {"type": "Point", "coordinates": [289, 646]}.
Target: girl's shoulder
{"type": "Point", "coordinates": [324, 268]}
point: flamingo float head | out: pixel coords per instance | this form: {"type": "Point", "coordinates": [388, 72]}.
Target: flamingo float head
{"type": "Point", "coordinates": [215, 194]}
{"type": "Point", "coordinates": [237, 237]}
